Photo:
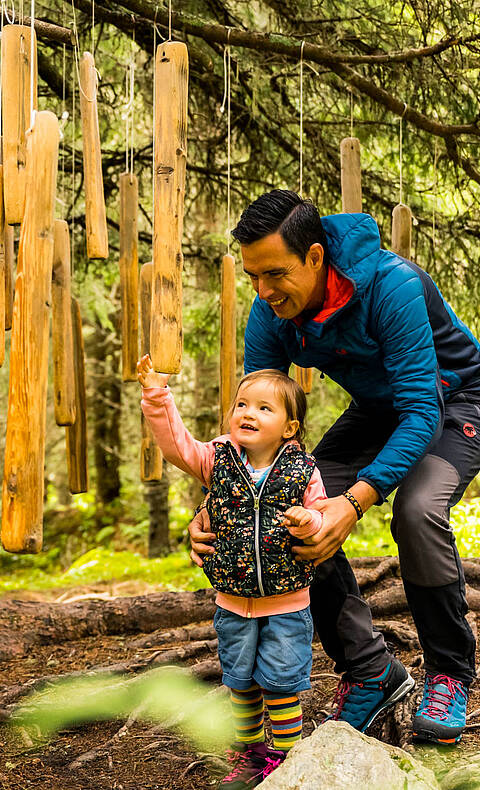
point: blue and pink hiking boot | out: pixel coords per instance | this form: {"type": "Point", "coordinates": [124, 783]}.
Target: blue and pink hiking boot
{"type": "Point", "coordinates": [252, 764]}
{"type": "Point", "coordinates": [360, 702]}
{"type": "Point", "coordinates": [441, 717]}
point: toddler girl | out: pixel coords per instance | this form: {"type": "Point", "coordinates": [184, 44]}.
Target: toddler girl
{"type": "Point", "coordinates": [262, 487]}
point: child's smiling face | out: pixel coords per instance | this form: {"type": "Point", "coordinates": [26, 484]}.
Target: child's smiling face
{"type": "Point", "coordinates": [259, 421]}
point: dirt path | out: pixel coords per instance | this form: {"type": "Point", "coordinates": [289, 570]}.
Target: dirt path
{"type": "Point", "coordinates": [144, 756]}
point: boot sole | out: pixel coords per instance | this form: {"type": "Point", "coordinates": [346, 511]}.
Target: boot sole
{"type": "Point", "coordinates": [399, 693]}
{"type": "Point", "coordinates": [427, 736]}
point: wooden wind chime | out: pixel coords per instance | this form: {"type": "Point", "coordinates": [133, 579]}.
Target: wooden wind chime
{"type": "Point", "coordinates": [28, 174]}
{"type": "Point", "coordinates": [401, 215]}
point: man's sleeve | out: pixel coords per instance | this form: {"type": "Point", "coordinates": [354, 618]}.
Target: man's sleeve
{"type": "Point", "coordinates": [263, 348]}
{"type": "Point", "coordinates": [403, 330]}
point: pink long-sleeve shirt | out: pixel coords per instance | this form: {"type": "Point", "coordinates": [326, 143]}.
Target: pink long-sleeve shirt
{"type": "Point", "coordinates": [197, 458]}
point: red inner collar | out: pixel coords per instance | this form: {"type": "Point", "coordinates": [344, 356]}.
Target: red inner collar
{"type": "Point", "coordinates": [338, 291]}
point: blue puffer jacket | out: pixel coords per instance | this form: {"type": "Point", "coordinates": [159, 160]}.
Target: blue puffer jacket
{"type": "Point", "coordinates": [390, 340]}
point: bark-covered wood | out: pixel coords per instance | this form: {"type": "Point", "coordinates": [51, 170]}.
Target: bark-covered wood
{"type": "Point", "coordinates": [62, 334]}
{"type": "Point", "coordinates": [402, 230]}
{"type": "Point", "coordinates": [24, 624]}
{"type": "Point", "coordinates": [228, 344]}
{"type": "Point", "coordinates": [156, 497]}
{"type": "Point", "coordinates": [129, 274]}
{"type": "Point", "coordinates": [150, 455]}
{"type": "Point", "coordinates": [16, 107]}
{"type": "Point", "coordinates": [171, 87]}
{"type": "Point", "coordinates": [351, 175]}
{"type": "Point", "coordinates": [76, 434]}
{"type": "Point", "coordinates": [95, 213]}
{"type": "Point", "coordinates": [23, 483]}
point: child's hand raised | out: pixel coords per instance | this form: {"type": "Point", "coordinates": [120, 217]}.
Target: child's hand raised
{"type": "Point", "coordinates": [147, 376]}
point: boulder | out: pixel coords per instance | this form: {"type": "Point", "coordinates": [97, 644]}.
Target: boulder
{"type": "Point", "coordinates": [338, 757]}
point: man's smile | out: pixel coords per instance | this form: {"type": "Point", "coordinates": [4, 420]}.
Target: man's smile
{"type": "Point", "coordinates": [276, 302]}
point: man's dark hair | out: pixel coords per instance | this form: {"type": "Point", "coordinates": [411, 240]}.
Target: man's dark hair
{"type": "Point", "coordinates": [282, 211]}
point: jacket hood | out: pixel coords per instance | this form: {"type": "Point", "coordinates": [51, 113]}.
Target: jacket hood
{"type": "Point", "coordinates": [353, 243]}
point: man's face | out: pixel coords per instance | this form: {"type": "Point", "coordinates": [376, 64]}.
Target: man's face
{"type": "Point", "coordinates": [281, 278]}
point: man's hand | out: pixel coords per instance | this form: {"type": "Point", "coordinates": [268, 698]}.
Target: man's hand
{"type": "Point", "coordinates": [200, 537]}
{"type": "Point", "coordinates": [147, 376]}
{"type": "Point", "coordinates": [339, 518]}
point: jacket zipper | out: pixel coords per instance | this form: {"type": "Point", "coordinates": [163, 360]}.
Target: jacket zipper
{"type": "Point", "coordinates": [256, 509]}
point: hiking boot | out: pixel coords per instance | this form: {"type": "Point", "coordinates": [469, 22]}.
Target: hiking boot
{"type": "Point", "coordinates": [441, 717]}
{"type": "Point", "coordinates": [253, 762]}
{"type": "Point", "coordinates": [359, 702]}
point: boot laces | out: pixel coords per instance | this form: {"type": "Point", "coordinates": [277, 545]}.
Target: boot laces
{"type": "Point", "coordinates": [438, 702]}
{"type": "Point", "coordinates": [271, 765]}
{"type": "Point", "coordinates": [341, 694]}
{"type": "Point", "coordinates": [242, 763]}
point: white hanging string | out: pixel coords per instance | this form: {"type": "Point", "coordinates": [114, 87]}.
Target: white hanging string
{"type": "Point", "coordinates": [227, 101]}
{"type": "Point", "coordinates": [32, 63]}
{"type": "Point", "coordinates": [154, 118]}
{"type": "Point", "coordinates": [169, 20]}
{"type": "Point", "coordinates": [435, 185]}
{"type": "Point", "coordinates": [11, 20]}
{"type": "Point", "coordinates": [76, 50]}
{"type": "Point", "coordinates": [301, 120]}
{"type": "Point", "coordinates": [401, 152]}
{"type": "Point", "coordinates": [351, 112]}
{"type": "Point", "coordinates": [93, 27]}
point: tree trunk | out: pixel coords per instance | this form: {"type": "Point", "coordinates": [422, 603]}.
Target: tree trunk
{"type": "Point", "coordinates": [156, 496]}
{"type": "Point", "coordinates": [106, 410]}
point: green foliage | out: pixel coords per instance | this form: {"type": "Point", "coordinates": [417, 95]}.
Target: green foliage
{"type": "Point", "coordinates": [167, 696]}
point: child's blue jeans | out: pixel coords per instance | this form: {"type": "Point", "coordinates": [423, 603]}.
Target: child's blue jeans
{"type": "Point", "coordinates": [273, 651]}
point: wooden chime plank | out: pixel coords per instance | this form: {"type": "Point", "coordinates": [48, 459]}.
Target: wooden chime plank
{"type": "Point", "coordinates": [228, 340]}
{"type": "Point", "coordinates": [129, 274]}
{"type": "Point", "coordinates": [62, 338]}
{"type": "Point", "coordinates": [16, 107]}
{"type": "Point", "coordinates": [351, 175]}
{"type": "Point", "coordinates": [304, 377]}
{"type": "Point", "coordinates": [171, 94]}
{"type": "Point", "coordinates": [2, 272]}
{"type": "Point", "coordinates": [151, 455]}
{"type": "Point", "coordinates": [9, 275]}
{"type": "Point", "coordinates": [402, 230]}
{"type": "Point", "coordinates": [76, 434]}
{"type": "Point", "coordinates": [95, 212]}
{"type": "Point", "coordinates": [23, 483]}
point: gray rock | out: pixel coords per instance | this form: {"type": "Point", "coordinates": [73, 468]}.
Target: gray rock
{"type": "Point", "coordinates": [337, 757]}
{"type": "Point", "coordinates": [465, 776]}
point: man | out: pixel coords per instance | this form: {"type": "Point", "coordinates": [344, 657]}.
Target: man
{"type": "Point", "coordinates": [329, 297]}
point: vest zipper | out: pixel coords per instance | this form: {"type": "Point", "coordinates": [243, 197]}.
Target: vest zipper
{"type": "Point", "coordinates": [256, 509]}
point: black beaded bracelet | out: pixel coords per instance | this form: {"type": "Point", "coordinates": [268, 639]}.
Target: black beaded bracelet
{"type": "Point", "coordinates": [354, 503]}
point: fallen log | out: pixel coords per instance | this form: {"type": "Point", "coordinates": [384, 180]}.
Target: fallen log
{"type": "Point", "coordinates": [27, 623]}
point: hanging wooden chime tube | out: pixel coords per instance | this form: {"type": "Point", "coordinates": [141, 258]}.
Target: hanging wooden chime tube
{"type": "Point", "coordinates": [23, 482]}
{"type": "Point", "coordinates": [171, 89]}
{"type": "Point", "coordinates": [351, 175]}
{"type": "Point", "coordinates": [304, 377]}
{"type": "Point", "coordinates": [9, 276]}
{"type": "Point", "coordinates": [129, 274]}
{"type": "Point", "coordinates": [95, 213]}
{"type": "Point", "coordinates": [402, 230]}
{"type": "Point", "coordinates": [2, 271]}
{"type": "Point", "coordinates": [151, 455]}
{"type": "Point", "coordinates": [228, 344]}
{"type": "Point", "coordinates": [62, 338]}
{"type": "Point", "coordinates": [16, 106]}
{"type": "Point", "coordinates": [76, 434]}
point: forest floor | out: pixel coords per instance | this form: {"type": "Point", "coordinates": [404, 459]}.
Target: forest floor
{"type": "Point", "coordinates": [144, 756]}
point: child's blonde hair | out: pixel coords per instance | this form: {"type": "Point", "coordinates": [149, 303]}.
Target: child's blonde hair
{"type": "Point", "coordinates": [290, 393]}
